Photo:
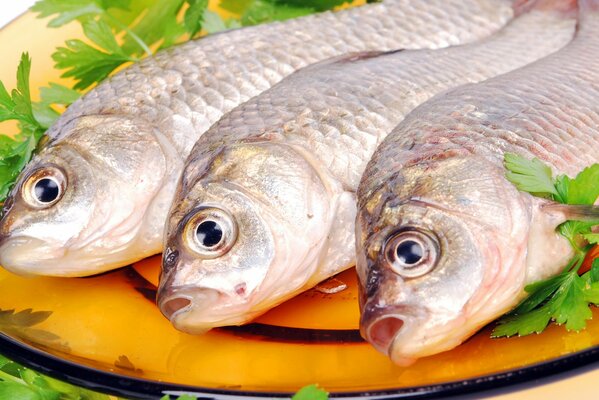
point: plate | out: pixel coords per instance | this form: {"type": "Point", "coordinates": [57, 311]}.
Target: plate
{"type": "Point", "coordinates": [106, 333]}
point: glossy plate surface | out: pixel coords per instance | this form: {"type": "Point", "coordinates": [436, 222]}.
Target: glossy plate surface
{"type": "Point", "coordinates": [106, 332]}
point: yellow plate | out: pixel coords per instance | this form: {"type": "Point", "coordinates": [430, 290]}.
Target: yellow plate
{"type": "Point", "coordinates": [106, 333]}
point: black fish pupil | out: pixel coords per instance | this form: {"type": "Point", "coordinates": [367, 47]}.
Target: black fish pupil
{"type": "Point", "coordinates": [209, 233]}
{"type": "Point", "coordinates": [409, 252]}
{"type": "Point", "coordinates": [46, 190]}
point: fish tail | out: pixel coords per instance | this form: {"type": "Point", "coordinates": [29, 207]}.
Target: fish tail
{"type": "Point", "coordinates": [569, 8]}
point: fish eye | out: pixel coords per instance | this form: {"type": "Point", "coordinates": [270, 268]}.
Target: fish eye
{"type": "Point", "coordinates": [210, 232]}
{"type": "Point", "coordinates": [44, 187]}
{"type": "Point", "coordinates": [411, 253]}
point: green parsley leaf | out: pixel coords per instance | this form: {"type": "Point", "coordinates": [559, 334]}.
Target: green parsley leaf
{"type": "Point", "coordinates": [311, 392]}
{"type": "Point", "coordinates": [523, 324]}
{"type": "Point", "coordinates": [592, 238]}
{"type": "Point", "coordinates": [17, 106]}
{"type": "Point", "coordinates": [194, 16]}
{"type": "Point", "coordinates": [564, 298]}
{"type": "Point", "coordinates": [318, 5]}
{"type": "Point", "coordinates": [66, 10]}
{"type": "Point", "coordinates": [570, 305]}
{"type": "Point", "coordinates": [85, 63]}
{"type": "Point", "coordinates": [156, 24]}
{"type": "Point", "coordinates": [584, 189]}
{"type": "Point", "coordinates": [529, 175]}
{"type": "Point", "coordinates": [263, 10]}
{"type": "Point", "coordinates": [58, 94]}
{"type": "Point", "coordinates": [593, 274]}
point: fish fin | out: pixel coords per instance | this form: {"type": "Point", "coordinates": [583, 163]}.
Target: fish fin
{"type": "Point", "coordinates": [586, 213]}
{"type": "Point", "coordinates": [566, 7]}
{"type": "Point", "coordinates": [331, 286]}
{"type": "Point", "coordinates": [349, 58]}
{"type": "Point", "coordinates": [365, 55]}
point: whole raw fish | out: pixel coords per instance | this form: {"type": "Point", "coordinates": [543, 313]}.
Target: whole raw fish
{"type": "Point", "coordinates": [96, 197]}
{"type": "Point", "coordinates": [445, 242]}
{"type": "Point", "coordinates": [266, 206]}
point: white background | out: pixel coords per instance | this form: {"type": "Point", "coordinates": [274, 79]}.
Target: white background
{"type": "Point", "coordinates": [10, 9]}
{"type": "Point", "coordinates": [578, 385]}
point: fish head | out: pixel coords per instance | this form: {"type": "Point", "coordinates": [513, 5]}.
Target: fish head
{"type": "Point", "coordinates": [441, 252]}
{"type": "Point", "coordinates": [69, 213]}
{"type": "Point", "coordinates": [243, 236]}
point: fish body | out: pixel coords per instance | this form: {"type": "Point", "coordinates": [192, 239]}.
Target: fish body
{"type": "Point", "coordinates": [107, 176]}
{"type": "Point", "coordinates": [266, 204]}
{"type": "Point", "coordinates": [445, 242]}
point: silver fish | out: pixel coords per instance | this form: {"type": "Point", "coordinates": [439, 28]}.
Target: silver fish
{"type": "Point", "coordinates": [96, 197]}
{"type": "Point", "coordinates": [445, 242]}
{"type": "Point", "coordinates": [266, 206]}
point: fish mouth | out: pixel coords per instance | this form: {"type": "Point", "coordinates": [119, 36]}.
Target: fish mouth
{"type": "Point", "coordinates": [25, 255]}
{"type": "Point", "coordinates": [387, 327]}
{"type": "Point", "coordinates": [196, 310]}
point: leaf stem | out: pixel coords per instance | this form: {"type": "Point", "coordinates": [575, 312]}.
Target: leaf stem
{"type": "Point", "coordinates": [130, 32]}
{"type": "Point", "coordinates": [8, 377]}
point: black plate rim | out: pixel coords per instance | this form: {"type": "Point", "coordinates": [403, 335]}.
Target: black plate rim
{"type": "Point", "coordinates": [137, 388]}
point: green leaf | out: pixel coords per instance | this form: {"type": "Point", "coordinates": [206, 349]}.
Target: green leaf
{"type": "Point", "coordinates": [524, 324]}
{"type": "Point", "coordinates": [86, 64]}
{"type": "Point", "coordinates": [66, 10]}
{"type": "Point", "coordinates": [213, 23]}
{"type": "Point", "coordinates": [571, 229]}
{"type": "Point", "coordinates": [584, 189]}
{"type": "Point", "coordinates": [562, 182]}
{"type": "Point", "coordinates": [15, 391]}
{"type": "Point", "coordinates": [311, 392]}
{"type": "Point", "coordinates": [592, 238]}
{"type": "Point", "coordinates": [318, 5]}
{"type": "Point", "coordinates": [593, 274]}
{"type": "Point", "coordinates": [570, 305]}
{"type": "Point", "coordinates": [539, 292]}
{"type": "Point", "coordinates": [100, 33]}
{"type": "Point", "coordinates": [236, 6]}
{"type": "Point", "coordinates": [529, 175]}
{"type": "Point", "coordinates": [263, 10]}
{"type": "Point", "coordinates": [152, 27]}
{"type": "Point", "coordinates": [58, 94]}
{"type": "Point", "coordinates": [194, 16]}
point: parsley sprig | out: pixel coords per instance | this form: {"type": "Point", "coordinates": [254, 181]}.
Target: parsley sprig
{"type": "Point", "coordinates": [564, 298]}
{"type": "Point", "coordinates": [20, 383]}
{"type": "Point", "coordinates": [33, 120]}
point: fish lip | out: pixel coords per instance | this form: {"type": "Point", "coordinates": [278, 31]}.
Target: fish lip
{"type": "Point", "coordinates": [408, 314]}
{"type": "Point", "coordinates": [173, 316]}
{"type": "Point", "coordinates": [167, 293]}
{"type": "Point", "coordinates": [42, 252]}
{"type": "Point", "coordinates": [195, 295]}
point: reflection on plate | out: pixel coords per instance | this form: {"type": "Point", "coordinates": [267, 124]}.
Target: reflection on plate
{"type": "Point", "coordinates": [105, 332]}
{"type": "Point", "coordinates": [110, 323]}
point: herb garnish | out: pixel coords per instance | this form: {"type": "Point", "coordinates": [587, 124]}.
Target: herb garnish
{"type": "Point", "coordinates": [564, 298]}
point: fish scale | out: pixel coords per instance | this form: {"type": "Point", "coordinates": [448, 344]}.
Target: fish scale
{"type": "Point", "coordinates": [295, 155]}
{"type": "Point", "coordinates": [442, 170]}
{"type": "Point", "coordinates": [189, 87]}
{"type": "Point", "coordinates": [354, 102]}
{"type": "Point", "coordinates": [132, 132]}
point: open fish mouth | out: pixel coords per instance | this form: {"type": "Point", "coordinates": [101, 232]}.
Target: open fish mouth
{"type": "Point", "coordinates": [197, 310]}
{"type": "Point", "coordinates": [389, 327]}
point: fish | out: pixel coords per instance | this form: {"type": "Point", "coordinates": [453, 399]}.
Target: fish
{"type": "Point", "coordinates": [266, 204]}
{"type": "Point", "coordinates": [96, 196]}
{"type": "Point", "coordinates": [445, 243]}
